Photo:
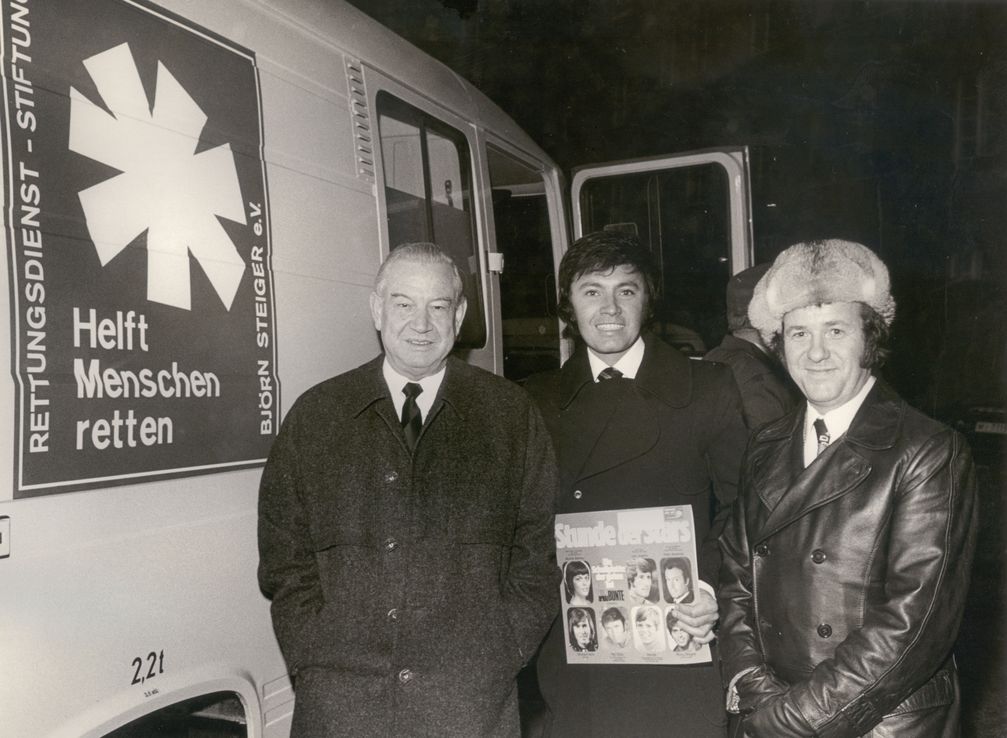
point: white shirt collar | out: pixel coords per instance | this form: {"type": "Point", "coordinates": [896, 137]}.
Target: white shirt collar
{"type": "Point", "coordinates": [836, 420]}
{"type": "Point", "coordinates": [396, 382]}
{"type": "Point", "coordinates": [628, 363]}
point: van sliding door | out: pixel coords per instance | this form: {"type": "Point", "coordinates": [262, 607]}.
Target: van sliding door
{"type": "Point", "coordinates": [693, 212]}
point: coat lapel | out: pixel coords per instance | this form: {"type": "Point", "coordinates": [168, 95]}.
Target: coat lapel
{"type": "Point", "coordinates": [371, 391]}
{"type": "Point", "coordinates": [839, 470]}
{"type": "Point", "coordinates": [621, 422]}
{"type": "Point", "coordinates": [790, 491]}
{"type": "Point", "coordinates": [777, 459]}
{"type": "Point", "coordinates": [624, 429]}
{"type": "Point", "coordinates": [594, 412]}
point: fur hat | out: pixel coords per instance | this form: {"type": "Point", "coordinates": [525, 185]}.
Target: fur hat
{"type": "Point", "coordinates": [819, 272]}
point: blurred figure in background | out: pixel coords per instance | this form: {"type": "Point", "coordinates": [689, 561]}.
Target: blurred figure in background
{"type": "Point", "coordinates": [767, 392]}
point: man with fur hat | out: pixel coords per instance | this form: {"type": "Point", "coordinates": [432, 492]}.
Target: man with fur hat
{"type": "Point", "coordinates": [847, 558]}
{"type": "Point", "coordinates": [766, 391]}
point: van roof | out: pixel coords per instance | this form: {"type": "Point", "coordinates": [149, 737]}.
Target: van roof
{"type": "Point", "coordinates": [377, 46]}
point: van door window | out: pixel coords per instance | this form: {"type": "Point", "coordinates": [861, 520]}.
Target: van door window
{"type": "Point", "coordinates": [528, 282]}
{"type": "Point", "coordinates": [683, 216]}
{"type": "Point", "coordinates": [428, 196]}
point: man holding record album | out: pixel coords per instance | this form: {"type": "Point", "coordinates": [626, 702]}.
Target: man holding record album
{"type": "Point", "coordinates": [636, 425]}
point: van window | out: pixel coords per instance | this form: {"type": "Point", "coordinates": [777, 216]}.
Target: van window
{"type": "Point", "coordinates": [683, 215]}
{"type": "Point", "coordinates": [428, 196]}
{"type": "Point", "coordinates": [528, 282]}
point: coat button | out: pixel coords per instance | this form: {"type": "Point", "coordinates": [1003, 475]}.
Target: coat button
{"type": "Point", "coordinates": [393, 615]}
{"type": "Point", "coordinates": [391, 477]}
{"type": "Point", "coordinates": [577, 494]}
{"type": "Point", "coordinates": [762, 550]}
{"type": "Point", "coordinates": [818, 556]}
{"type": "Point", "coordinates": [406, 676]}
{"type": "Point", "coordinates": [391, 544]}
{"type": "Point", "coordinates": [825, 630]}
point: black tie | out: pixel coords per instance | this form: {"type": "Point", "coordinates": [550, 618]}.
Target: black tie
{"type": "Point", "coordinates": [609, 373]}
{"type": "Point", "coordinates": [412, 421]}
{"type": "Point", "coordinates": [823, 435]}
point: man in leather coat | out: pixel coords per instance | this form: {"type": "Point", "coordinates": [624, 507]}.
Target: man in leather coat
{"type": "Point", "coordinates": [847, 558]}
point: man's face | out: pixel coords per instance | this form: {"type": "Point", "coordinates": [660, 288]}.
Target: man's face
{"type": "Point", "coordinates": [641, 584]}
{"type": "Point", "coordinates": [616, 630]}
{"type": "Point", "coordinates": [582, 584]}
{"type": "Point", "coordinates": [823, 346]}
{"type": "Point", "coordinates": [647, 628]}
{"type": "Point", "coordinates": [419, 315]}
{"type": "Point", "coordinates": [675, 579]}
{"type": "Point", "coordinates": [610, 309]}
{"type": "Point", "coordinates": [582, 632]}
{"type": "Point", "coordinates": [680, 636]}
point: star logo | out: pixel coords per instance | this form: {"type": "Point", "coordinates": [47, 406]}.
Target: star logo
{"type": "Point", "coordinates": [164, 187]}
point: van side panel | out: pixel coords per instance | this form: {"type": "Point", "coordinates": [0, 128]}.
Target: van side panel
{"type": "Point", "coordinates": [120, 600]}
{"type": "Point", "coordinates": [325, 217]}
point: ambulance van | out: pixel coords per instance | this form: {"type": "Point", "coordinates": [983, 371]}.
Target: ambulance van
{"type": "Point", "coordinates": [195, 199]}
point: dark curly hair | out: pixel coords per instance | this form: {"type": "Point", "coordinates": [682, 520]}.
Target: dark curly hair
{"type": "Point", "coordinates": [604, 251]}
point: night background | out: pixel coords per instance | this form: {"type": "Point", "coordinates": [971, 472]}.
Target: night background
{"type": "Point", "coordinates": [880, 122]}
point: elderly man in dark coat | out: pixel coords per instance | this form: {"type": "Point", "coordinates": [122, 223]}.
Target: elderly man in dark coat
{"type": "Point", "coordinates": [847, 559]}
{"type": "Point", "coordinates": [666, 431]}
{"type": "Point", "coordinates": [405, 529]}
{"type": "Point", "coordinates": [767, 393]}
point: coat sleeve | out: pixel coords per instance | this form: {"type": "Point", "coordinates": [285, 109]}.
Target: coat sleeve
{"type": "Point", "coordinates": [739, 650]}
{"type": "Point", "coordinates": [724, 452]}
{"type": "Point", "coordinates": [911, 618]}
{"type": "Point", "coordinates": [288, 570]}
{"type": "Point", "coordinates": [765, 398]}
{"type": "Point", "coordinates": [532, 580]}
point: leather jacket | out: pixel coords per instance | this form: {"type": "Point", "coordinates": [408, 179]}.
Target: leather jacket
{"type": "Point", "coordinates": [843, 584]}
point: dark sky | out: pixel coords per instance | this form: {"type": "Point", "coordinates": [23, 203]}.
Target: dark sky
{"type": "Point", "coordinates": [885, 122]}
{"type": "Point", "coordinates": [695, 71]}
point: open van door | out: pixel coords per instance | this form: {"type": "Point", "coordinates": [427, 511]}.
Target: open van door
{"type": "Point", "coordinates": [526, 233]}
{"type": "Point", "coordinates": [693, 211]}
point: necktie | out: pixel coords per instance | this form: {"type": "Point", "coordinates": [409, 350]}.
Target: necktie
{"type": "Point", "coordinates": [609, 373]}
{"type": "Point", "coordinates": [823, 435]}
{"type": "Point", "coordinates": [412, 421]}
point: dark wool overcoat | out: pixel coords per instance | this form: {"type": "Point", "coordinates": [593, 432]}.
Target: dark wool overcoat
{"type": "Point", "coordinates": [845, 582]}
{"type": "Point", "coordinates": [767, 392]}
{"type": "Point", "coordinates": [409, 588]}
{"type": "Point", "coordinates": [672, 436]}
